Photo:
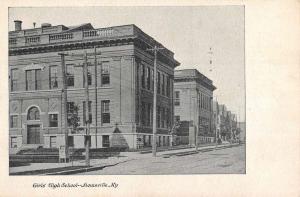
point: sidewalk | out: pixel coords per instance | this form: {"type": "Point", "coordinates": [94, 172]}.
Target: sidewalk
{"type": "Point", "coordinates": [45, 168]}
{"type": "Point", "coordinates": [79, 163]}
{"type": "Point", "coordinates": [200, 148]}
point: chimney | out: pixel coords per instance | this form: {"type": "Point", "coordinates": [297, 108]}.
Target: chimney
{"type": "Point", "coordinates": [18, 25]}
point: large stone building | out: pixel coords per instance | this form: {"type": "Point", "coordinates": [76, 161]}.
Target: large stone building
{"type": "Point", "coordinates": [120, 86]}
{"type": "Point", "coordinates": [193, 103]}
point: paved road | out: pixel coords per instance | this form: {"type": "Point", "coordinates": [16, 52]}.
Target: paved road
{"type": "Point", "coordinates": [229, 160]}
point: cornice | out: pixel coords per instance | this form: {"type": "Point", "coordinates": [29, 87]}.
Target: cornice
{"type": "Point", "coordinates": [69, 46]}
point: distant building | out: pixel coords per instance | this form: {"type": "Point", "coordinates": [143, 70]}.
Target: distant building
{"type": "Point", "coordinates": [225, 122]}
{"type": "Point", "coordinates": [242, 129]}
{"type": "Point", "coordinates": [120, 86]}
{"type": "Point", "coordinates": [193, 104]}
{"type": "Point", "coordinates": [216, 119]}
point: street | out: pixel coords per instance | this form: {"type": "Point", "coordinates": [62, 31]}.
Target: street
{"type": "Point", "coordinates": [229, 160]}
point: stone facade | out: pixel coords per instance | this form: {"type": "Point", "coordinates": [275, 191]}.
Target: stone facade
{"type": "Point", "coordinates": [119, 86]}
{"type": "Point", "coordinates": [193, 102]}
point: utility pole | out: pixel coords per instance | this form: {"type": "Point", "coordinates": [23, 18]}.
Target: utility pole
{"type": "Point", "coordinates": [155, 49]}
{"type": "Point", "coordinates": [86, 86]}
{"type": "Point", "coordinates": [197, 115]}
{"type": "Point", "coordinates": [65, 100]}
{"type": "Point", "coordinates": [96, 99]}
{"type": "Point", "coordinates": [87, 141]}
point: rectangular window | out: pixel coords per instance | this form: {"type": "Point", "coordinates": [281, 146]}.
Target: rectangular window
{"type": "Point", "coordinates": [38, 79]}
{"type": "Point", "coordinates": [198, 102]}
{"type": "Point", "coordinates": [70, 75]}
{"type": "Point", "coordinates": [33, 79]}
{"type": "Point", "coordinates": [177, 98]}
{"type": "Point", "coordinates": [168, 86]}
{"type": "Point", "coordinates": [163, 84]}
{"type": "Point", "coordinates": [71, 141]}
{"type": "Point", "coordinates": [14, 79]}
{"type": "Point", "coordinates": [70, 107]}
{"type": "Point", "coordinates": [162, 117]}
{"type": "Point", "coordinates": [84, 113]}
{"type": "Point", "coordinates": [137, 77]}
{"type": "Point", "coordinates": [158, 83]}
{"type": "Point", "coordinates": [177, 118]}
{"type": "Point", "coordinates": [168, 117]}
{"type": "Point", "coordinates": [13, 121]}
{"type": "Point", "coordinates": [13, 142]}
{"type": "Point", "coordinates": [89, 77]}
{"type": "Point", "coordinates": [70, 111]}
{"type": "Point", "coordinates": [149, 114]}
{"type": "Point", "coordinates": [144, 113]}
{"type": "Point", "coordinates": [105, 78]}
{"type": "Point", "coordinates": [53, 120]}
{"type": "Point", "coordinates": [53, 82]}
{"type": "Point", "coordinates": [159, 141]}
{"type": "Point", "coordinates": [152, 79]}
{"type": "Point", "coordinates": [105, 111]}
{"type": "Point", "coordinates": [148, 78]}
{"type": "Point", "coordinates": [52, 141]}
{"type": "Point", "coordinates": [158, 116]}
{"type": "Point", "coordinates": [143, 76]}
{"type": "Point", "coordinates": [105, 141]}
{"type": "Point", "coordinates": [87, 138]}
{"type": "Point", "coordinates": [201, 100]}
{"type": "Point", "coordinates": [29, 80]}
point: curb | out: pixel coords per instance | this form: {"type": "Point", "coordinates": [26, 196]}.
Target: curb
{"type": "Point", "coordinates": [168, 155]}
{"type": "Point", "coordinates": [84, 169]}
{"type": "Point", "coordinates": [76, 171]}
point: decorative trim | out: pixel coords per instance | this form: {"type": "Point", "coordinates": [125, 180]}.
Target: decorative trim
{"type": "Point", "coordinates": [35, 67]}
{"type": "Point", "coordinates": [117, 58]}
{"type": "Point", "coordinates": [70, 46]}
{"type": "Point", "coordinates": [15, 136]}
{"type": "Point", "coordinates": [54, 112]}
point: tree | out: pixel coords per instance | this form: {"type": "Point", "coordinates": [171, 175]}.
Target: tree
{"type": "Point", "coordinates": [175, 127]}
{"type": "Point", "coordinates": [74, 119]}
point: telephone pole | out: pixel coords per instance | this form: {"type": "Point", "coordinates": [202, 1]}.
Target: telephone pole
{"type": "Point", "coordinates": [87, 140]}
{"type": "Point", "coordinates": [96, 94]}
{"type": "Point", "coordinates": [65, 100]}
{"type": "Point", "coordinates": [197, 125]}
{"type": "Point", "coordinates": [155, 49]}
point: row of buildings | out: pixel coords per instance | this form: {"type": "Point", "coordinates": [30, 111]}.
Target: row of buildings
{"type": "Point", "coordinates": [197, 114]}
{"type": "Point", "coordinates": [225, 122]}
{"type": "Point", "coordinates": [120, 80]}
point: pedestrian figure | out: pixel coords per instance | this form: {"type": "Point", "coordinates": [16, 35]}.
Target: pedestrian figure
{"type": "Point", "coordinates": [219, 141]}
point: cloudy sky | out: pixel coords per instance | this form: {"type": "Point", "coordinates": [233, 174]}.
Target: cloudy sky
{"type": "Point", "coordinates": [189, 32]}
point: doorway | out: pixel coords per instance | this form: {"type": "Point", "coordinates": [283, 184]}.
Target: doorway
{"type": "Point", "coordinates": [33, 134]}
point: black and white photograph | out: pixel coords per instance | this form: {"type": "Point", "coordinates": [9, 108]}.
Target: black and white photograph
{"type": "Point", "coordinates": [149, 98]}
{"type": "Point", "coordinates": [127, 90]}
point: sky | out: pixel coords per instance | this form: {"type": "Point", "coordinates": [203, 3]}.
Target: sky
{"type": "Point", "coordinates": [189, 32]}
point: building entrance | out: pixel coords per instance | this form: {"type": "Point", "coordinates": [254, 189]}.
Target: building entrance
{"type": "Point", "coordinates": [33, 134]}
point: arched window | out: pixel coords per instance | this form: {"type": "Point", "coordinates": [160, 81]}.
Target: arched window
{"type": "Point", "coordinates": [33, 114]}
